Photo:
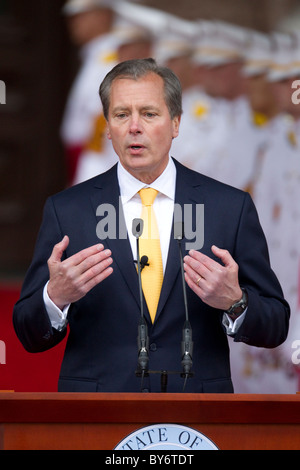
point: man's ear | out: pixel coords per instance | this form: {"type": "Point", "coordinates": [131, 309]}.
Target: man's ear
{"type": "Point", "coordinates": [108, 132]}
{"type": "Point", "coordinates": [176, 124]}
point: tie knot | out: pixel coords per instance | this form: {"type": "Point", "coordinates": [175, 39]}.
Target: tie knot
{"type": "Point", "coordinates": [147, 196]}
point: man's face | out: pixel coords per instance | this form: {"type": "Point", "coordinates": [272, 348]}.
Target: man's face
{"type": "Point", "coordinates": [88, 25]}
{"type": "Point", "coordinates": [140, 126]}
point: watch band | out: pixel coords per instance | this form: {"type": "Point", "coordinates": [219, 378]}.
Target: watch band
{"type": "Point", "coordinates": [238, 307]}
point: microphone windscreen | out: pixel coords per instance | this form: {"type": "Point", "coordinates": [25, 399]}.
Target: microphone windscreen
{"type": "Point", "coordinates": [144, 260]}
{"type": "Point", "coordinates": [178, 230]}
{"type": "Point", "coordinates": [137, 227]}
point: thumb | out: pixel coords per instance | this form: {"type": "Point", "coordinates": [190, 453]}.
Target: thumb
{"type": "Point", "coordinates": [59, 248]}
{"type": "Point", "coordinates": [224, 255]}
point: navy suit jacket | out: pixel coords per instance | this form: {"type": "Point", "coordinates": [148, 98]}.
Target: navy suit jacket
{"type": "Point", "coordinates": [101, 350]}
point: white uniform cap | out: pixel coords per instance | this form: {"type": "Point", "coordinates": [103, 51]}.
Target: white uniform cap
{"type": "Point", "coordinates": [74, 7]}
{"type": "Point", "coordinates": [281, 66]}
{"type": "Point", "coordinates": [134, 22]}
{"type": "Point", "coordinates": [188, 30]}
{"type": "Point", "coordinates": [257, 54]}
{"type": "Point", "coordinates": [219, 43]}
{"type": "Point", "coordinates": [129, 31]}
{"type": "Point", "coordinates": [176, 41]}
{"type": "Point", "coordinates": [157, 21]}
{"type": "Point", "coordinates": [149, 18]}
{"type": "Point", "coordinates": [171, 46]}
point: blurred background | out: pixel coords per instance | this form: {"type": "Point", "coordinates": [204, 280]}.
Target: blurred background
{"type": "Point", "coordinates": [237, 60]}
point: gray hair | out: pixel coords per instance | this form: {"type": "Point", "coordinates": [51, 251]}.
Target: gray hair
{"type": "Point", "coordinates": [137, 68]}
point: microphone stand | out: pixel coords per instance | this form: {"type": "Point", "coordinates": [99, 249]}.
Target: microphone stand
{"type": "Point", "coordinates": [142, 338]}
{"type": "Point", "coordinates": [187, 343]}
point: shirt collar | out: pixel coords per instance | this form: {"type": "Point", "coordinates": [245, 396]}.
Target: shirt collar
{"type": "Point", "coordinates": [129, 185]}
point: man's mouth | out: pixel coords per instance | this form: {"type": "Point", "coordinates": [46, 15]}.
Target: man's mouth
{"type": "Point", "coordinates": [136, 149]}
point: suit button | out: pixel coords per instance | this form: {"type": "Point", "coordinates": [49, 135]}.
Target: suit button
{"type": "Point", "coordinates": [153, 347]}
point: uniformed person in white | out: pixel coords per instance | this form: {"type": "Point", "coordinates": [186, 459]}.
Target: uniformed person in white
{"type": "Point", "coordinates": [277, 193]}
{"type": "Point", "coordinates": [218, 98]}
{"type": "Point", "coordinates": [90, 26]}
{"type": "Point", "coordinates": [174, 50]}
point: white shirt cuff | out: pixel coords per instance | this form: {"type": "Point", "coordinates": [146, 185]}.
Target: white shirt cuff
{"type": "Point", "coordinates": [58, 318]}
{"type": "Point", "coordinates": [233, 326]}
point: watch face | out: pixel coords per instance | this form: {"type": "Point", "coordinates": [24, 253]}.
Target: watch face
{"type": "Point", "coordinates": [239, 307]}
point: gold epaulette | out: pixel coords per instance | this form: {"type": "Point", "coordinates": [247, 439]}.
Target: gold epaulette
{"type": "Point", "coordinates": [109, 58]}
{"type": "Point", "coordinates": [259, 119]}
{"type": "Point", "coordinates": [201, 110]}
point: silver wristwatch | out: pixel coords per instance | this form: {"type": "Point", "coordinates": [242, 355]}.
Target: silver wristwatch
{"type": "Point", "coordinates": [238, 307]}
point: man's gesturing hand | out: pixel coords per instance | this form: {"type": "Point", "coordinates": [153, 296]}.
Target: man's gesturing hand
{"type": "Point", "coordinates": [71, 279]}
{"type": "Point", "coordinates": [216, 284]}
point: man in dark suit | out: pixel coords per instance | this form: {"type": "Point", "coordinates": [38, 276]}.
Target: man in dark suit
{"type": "Point", "coordinates": [89, 288]}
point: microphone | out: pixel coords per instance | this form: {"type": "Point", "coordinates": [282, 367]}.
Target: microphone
{"type": "Point", "coordinates": [142, 338]}
{"type": "Point", "coordinates": [137, 227]}
{"type": "Point", "coordinates": [144, 262]}
{"type": "Point", "coordinates": [187, 343]}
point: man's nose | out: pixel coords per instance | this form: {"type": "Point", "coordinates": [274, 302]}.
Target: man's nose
{"type": "Point", "coordinates": [135, 126]}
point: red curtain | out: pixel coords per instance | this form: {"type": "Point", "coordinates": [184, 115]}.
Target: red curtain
{"type": "Point", "coordinates": [21, 371]}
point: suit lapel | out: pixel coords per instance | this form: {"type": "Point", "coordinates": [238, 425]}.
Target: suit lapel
{"type": "Point", "coordinates": [106, 191]}
{"type": "Point", "coordinates": [187, 192]}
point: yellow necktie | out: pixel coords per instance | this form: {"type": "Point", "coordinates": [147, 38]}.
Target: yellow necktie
{"type": "Point", "coordinates": [152, 275]}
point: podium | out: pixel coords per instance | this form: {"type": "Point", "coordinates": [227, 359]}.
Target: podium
{"type": "Point", "coordinates": [67, 421]}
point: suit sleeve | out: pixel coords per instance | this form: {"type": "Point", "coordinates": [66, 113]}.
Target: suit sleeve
{"type": "Point", "coordinates": [30, 318]}
{"type": "Point", "coordinates": [267, 319]}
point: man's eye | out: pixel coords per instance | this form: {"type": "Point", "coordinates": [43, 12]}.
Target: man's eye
{"type": "Point", "coordinates": [121, 115]}
{"type": "Point", "coordinates": [149, 115]}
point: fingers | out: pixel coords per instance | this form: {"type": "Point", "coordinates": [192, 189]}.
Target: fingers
{"type": "Point", "coordinates": [224, 255]}
{"type": "Point", "coordinates": [204, 265]}
{"type": "Point", "coordinates": [93, 268]}
{"type": "Point", "coordinates": [98, 275]}
{"type": "Point", "coordinates": [58, 249]}
{"type": "Point", "coordinates": [73, 277]}
{"type": "Point", "coordinates": [84, 254]}
{"type": "Point", "coordinates": [84, 266]}
{"type": "Point", "coordinates": [198, 266]}
{"type": "Point", "coordinates": [85, 259]}
{"type": "Point", "coordinates": [193, 276]}
{"type": "Point", "coordinates": [215, 283]}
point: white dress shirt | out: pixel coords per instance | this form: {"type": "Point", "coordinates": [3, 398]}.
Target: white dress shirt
{"type": "Point", "coordinates": [163, 204]}
{"type": "Point", "coordinates": [132, 208]}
